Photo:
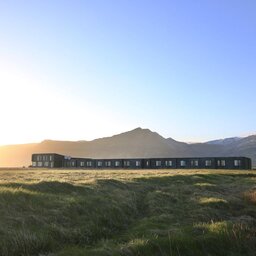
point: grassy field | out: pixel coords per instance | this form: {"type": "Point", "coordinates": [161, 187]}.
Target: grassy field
{"type": "Point", "coordinates": [152, 212]}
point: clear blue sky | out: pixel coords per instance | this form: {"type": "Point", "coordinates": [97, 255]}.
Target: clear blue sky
{"type": "Point", "coordinates": [186, 69]}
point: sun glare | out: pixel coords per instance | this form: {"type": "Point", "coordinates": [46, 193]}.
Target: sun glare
{"type": "Point", "coordinates": [33, 111]}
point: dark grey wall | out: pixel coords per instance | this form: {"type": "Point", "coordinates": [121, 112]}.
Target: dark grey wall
{"type": "Point", "coordinates": [51, 160]}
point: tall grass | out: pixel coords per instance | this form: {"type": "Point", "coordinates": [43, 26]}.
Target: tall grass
{"type": "Point", "coordinates": [183, 212]}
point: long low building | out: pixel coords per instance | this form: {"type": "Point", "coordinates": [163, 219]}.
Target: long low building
{"type": "Point", "coordinates": [53, 160]}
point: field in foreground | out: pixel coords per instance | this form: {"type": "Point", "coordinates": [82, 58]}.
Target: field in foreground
{"type": "Point", "coordinates": [152, 212]}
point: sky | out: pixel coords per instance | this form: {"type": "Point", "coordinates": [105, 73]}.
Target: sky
{"type": "Point", "coordinates": [80, 70]}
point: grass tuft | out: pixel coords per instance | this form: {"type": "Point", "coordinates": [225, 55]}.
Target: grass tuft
{"type": "Point", "coordinates": [250, 196]}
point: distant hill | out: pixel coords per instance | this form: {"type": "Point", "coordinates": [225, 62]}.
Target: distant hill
{"type": "Point", "coordinates": [224, 141]}
{"type": "Point", "coordinates": [136, 143]}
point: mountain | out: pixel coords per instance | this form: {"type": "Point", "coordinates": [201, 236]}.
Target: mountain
{"type": "Point", "coordinates": [244, 147]}
{"type": "Point", "coordinates": [135, 143]}
{"type": "Point", "coordinates": [224, 141]}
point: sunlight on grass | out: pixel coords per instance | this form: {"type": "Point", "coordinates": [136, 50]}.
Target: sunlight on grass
{"type": "Point", "coordinates": [204, 184]}
{"type": "Point", "coordinates": [214, 227]}
{"type": "Point", "coordinates": [208, 200]}
{"type": "Point", "coordinates": [127, 212]}
{"type": "Point", "coordinates": [89, 176]}
{"type": "Point", "coordinates": [19, 190]}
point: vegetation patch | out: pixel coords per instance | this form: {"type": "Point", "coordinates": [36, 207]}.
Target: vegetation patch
{"type": "Point", "coordinates": [251, 195]}
{"type": "Point", "coordinates": [204, 184]}
{"type": "Point", "coordinates": [153, 212]}
{"type": "Point", "coordinates": [212, 200]}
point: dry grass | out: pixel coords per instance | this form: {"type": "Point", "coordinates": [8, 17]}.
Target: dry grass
{"type": "Point", "coordinates": [127, 212]}
{"type": "Point", "coordinates": [81, 176]}
{"type": "Point", "coordinates": [251, 195]}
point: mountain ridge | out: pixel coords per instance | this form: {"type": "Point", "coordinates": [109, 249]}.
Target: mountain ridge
{"type": "Point", "coordinates": [224, 141]}
{"type": "Point", "coordinates": [138, 142]}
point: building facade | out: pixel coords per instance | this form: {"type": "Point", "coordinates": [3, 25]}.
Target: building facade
{"type": "Point", "coordinates": [47, 160]}
{"type": "Point", "coordinates": [52, 160]}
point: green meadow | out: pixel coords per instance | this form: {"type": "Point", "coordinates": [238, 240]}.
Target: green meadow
{"type": "Point", "coordinates": [123, 212]}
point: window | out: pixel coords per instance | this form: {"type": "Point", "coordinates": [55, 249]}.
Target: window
{"type": "Point", "coordinates": [158, 163]}
{"type": "Point", "coordinates": [51, 158]}
{"type": "Point", "coordinates": [126, 163]}
{"type": "Point", "coordinates": [137, 163]}
{"type": "Point", "coordinates": [82, 164]}
{"type": "Point", "coordinates": [72, 163]}
{"type": "Point", "coordinates": [117, 163]}
{"type": "Point", "coordinates": [46, 164]}
{"type": "Point", "coordinates": [99, 163]}
{"type": "Point", "coordinates": [223, 163]}
{"type": "Point", "coordinates": [108, 163]}
{"type": "Point", "coordinates": [237, 163]}
{"type": "Point", "coordinates": [34, 164]}
{"type": "Point", "coordinates": [168, 163]}
{"type": "Point", "coordinates": [208, 162]}
{"type": "Point", "coordinates": [182, 163]}
{"type": "Point", "coordinates": [147, 163]}
{"type": "Point", "coordinates": [89, 164]}
{"type": "Point", "coordinates": [39, 164]}
{"type": "Point", "coordinates": [194, 162]}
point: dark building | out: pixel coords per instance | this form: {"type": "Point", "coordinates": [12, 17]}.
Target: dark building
{"type": "Point", "coordinates": [160, 163]}
{"type": "Point", "coordinates": [52, 160]}
{"type": "Point", "coordinates": [47, 160]}
{"type": "Point", "coordinates": [70, 162]}
{"type": "Point", "coordinates": [133, 163]}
